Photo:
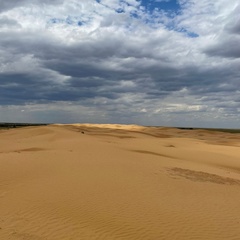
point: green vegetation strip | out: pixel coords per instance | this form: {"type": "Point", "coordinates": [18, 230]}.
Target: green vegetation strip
{"type": "Point", "coordinates": [17, 125]}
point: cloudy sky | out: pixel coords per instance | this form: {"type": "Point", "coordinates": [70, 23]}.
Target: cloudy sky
{"type": "Point", "coordinates": [149, 62]}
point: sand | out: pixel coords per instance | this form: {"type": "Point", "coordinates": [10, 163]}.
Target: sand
{"type": "Point", "coordinates": [112, 182]}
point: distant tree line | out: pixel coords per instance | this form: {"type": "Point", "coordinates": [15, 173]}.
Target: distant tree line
{"type": "Point", "coordinates": [15, 125]}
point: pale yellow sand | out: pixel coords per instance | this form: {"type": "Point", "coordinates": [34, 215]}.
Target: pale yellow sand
{"type": "Point", "coordinates": [118, 182]}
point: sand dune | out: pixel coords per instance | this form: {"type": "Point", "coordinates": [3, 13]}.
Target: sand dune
{"type": "Point", "coordinates": [110, 182]}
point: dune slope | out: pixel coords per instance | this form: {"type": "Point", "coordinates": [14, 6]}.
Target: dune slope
{"type": "Point", "coordinates": [110, 182]}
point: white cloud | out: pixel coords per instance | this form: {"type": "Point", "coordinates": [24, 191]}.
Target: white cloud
{"type": "Point", "coordinates": [119, 58]}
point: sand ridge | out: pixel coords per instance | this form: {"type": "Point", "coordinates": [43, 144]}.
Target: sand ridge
{"type": "Point", "coordinates": [93, 181]}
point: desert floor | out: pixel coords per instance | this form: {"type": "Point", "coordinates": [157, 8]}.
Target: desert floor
{"type": "Point", "coordinates": [110, 182]}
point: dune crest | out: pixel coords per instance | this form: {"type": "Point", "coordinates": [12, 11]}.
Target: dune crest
{"type": "Point", "coordinates": [103, 126]}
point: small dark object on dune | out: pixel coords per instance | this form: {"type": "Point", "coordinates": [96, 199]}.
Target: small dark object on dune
{"type": "Point", "coordinates": [170, 145]}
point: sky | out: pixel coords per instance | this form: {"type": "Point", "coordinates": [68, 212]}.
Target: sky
{"type": "Point", "coordinates": [148, 62]}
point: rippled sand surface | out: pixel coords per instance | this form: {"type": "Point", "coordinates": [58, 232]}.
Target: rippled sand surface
{"type": "Point", "coordinates": [110, 182]}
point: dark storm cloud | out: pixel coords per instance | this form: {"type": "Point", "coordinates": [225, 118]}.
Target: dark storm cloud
{"type": "Point", "coordinates": [234, 28]}
{"type": "Point", "coordinates": [88, 77]}
{"type": "Point", "coordinates": [228, 48]}
{"type": "Point", "coordinates": [88, 67]}
{"type": "Point", "coordinates": [17, 89]}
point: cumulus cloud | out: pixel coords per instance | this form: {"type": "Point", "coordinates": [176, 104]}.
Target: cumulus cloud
{"type": "Point", "coordinates": [117, 57]}
{"type": "Point", "coordinates": [8, 5]}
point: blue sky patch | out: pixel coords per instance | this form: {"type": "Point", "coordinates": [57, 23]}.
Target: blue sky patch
{"type": "Point", "coordinates": [119, 10]}
{"type": "Point", "coordinates": [69, 21]}
{"type": "Point", "coordinates": [151, 5]}
{"type": "Point", "coordinates": [187, 33]}
{"type": "Point", "coordinates": [80, 23]}
{"type": "Point", "coordinates": [192, 35]}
